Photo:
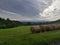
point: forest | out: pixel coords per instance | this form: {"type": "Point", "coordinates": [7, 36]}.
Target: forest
{"type": "Point", "coordinates": [7, 23]}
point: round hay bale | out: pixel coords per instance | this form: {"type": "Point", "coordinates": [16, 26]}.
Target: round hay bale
{"type": "Point", "coordinates": [51, 27]}
{"type": "Point", "coordinates": [43, 28]}
{"type": "Point", "coordinates": [35, 29]}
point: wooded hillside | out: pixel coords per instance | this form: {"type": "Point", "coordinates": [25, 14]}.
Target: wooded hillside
{"type": "Point", "coordinates": [7, 23]}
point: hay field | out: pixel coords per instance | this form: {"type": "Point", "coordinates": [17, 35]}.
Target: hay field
{"type": "Point", "coordinates": [22, 36]}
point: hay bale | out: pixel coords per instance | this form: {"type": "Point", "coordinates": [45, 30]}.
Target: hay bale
{"type": "Point", "coordinates": [45, 28]}
{"type": "Point", "coordinates": [56, 27]}
{"type": "Point", "coordinates": [35, 29]}
{"type": "Point", "coordinates": [51, 27]}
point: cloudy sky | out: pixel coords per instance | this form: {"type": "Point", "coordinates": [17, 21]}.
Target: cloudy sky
{"type": "Point", "coordinates": [30, 10]}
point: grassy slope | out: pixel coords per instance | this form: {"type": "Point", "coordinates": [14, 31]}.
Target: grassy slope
{"type": "Point", "coordinates": [23, 36]}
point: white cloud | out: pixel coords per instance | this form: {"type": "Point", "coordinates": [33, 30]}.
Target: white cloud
{"type": "Point", "coordinates": [53, 11]}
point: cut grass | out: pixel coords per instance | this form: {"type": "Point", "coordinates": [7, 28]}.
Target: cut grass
{"type": "Point", "coordinates": [22, 36]}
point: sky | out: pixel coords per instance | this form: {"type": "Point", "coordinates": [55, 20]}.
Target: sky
{"type": "Point", "coordinates": [30, 10]}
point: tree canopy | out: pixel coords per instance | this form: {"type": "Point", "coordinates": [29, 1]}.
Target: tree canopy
{"type": "Point", "coordinates": [7, 23]}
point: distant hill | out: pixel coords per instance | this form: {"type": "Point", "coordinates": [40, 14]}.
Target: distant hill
{"type": "Point", "coordinates": [57, 21]}
{"type": "Point", "coordinates": [7, 23]}
{"type": "Point", "coordinates": [39, 22]}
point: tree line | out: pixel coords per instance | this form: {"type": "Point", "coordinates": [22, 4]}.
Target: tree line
{"type": "Point", "coordinates": [7, 23]}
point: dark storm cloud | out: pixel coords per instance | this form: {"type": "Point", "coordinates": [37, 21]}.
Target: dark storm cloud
{"type": "Point", "coordinates": [29, 8]}
{"type": "Point", "coordinates": [22, 7]}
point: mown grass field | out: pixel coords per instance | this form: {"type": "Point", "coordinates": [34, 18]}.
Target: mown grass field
{"type": "Point", "coordinates": [22, 36]}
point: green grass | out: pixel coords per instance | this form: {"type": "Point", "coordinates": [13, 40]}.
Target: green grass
{"type": "Point", "coordinates": [22, 36]}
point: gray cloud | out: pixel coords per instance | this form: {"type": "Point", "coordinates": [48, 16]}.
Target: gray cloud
{"type": "Point", "coordinates": [28, 9]}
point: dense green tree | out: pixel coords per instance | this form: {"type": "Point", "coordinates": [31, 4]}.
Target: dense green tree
{"type": "Point", "coordinates": [7, 23]}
